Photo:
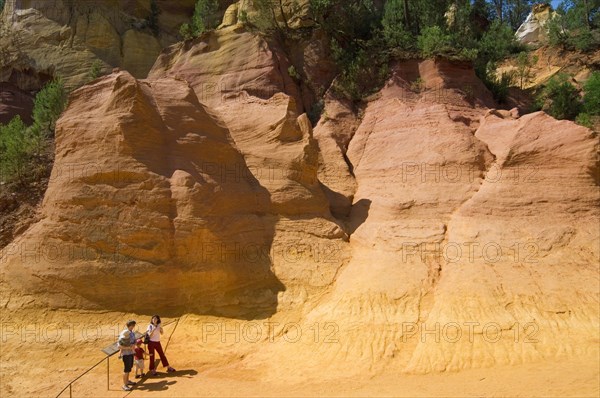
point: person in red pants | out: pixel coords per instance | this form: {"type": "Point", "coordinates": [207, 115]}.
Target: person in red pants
{"type": "Point", "coordinates": [154, 331]}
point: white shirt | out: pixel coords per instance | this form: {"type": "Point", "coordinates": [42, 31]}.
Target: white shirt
{"type": "Point", "coordinates": [154, 332]}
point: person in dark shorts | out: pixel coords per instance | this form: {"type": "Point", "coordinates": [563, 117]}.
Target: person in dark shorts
{"type": "Point", "coordinates": [126, 348]}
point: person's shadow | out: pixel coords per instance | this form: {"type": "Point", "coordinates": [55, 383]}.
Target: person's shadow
{"type": "Point", "coordinates": [161, 385]}
{"type": "Point", "coordinates": [187, 373]}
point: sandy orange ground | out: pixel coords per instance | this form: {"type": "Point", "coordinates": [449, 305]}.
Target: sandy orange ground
{"type": "Point", "coordinates": [578, 378]}
{"type": "Point", "coordinates": [33, 365]}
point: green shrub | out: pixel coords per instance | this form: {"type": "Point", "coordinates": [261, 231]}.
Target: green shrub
{"type": "Point", "coordinates": [293, 73]}
{"type": "Point", "coordinates": [557, 30]}
{"type": "Point", "coordinates": [47, 107]}
{"type": "Point", "coordinates": [582, 39]}
{"type": "Point", "coordinates": [185, 31]}
{"type": "Point", "coordinates": [396, 26]}
{"type": "Point", "coordinates": [433, 41]}
{"type": "Point", "coordinates": [204, 18]}
{"type": "Point", "coordinates": [318, 7]}
{"type": "Point", "coordinates": [524, 65]}
{"type": "Point", "coordinates": [271, 15]}
{"type": "Point", "coordinates": [573, 25]}
{"type": "Point", "coordinates": [499, 85]}
{"type": "Point", "coordinates": [560, 98]}
{"type": "Point", "coordinates": [244, 16]}
{"type": "Point", "coordinates": [591, 96]}
{"type": "Point", "coordinates": [469, 54]}
{"type": "Point", "coordinates": [497, 42]}
{"type": "Point", "coordinates": [95, 70]}
{"type": "Point", "coordinates": [24, 150]}
{"type": "Point", "coordinates": [15, 149]}
{"type": "Point", "coordinates": [357, 42]}
{"type": "Point", "coordinates": [495, 45]}
{"type": "Point", "coordinates": [584, 119]}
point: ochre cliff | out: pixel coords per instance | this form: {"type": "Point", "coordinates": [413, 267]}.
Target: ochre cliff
{"type": "Point", "coordinates": [426, 210]}
{"type": "Point", "coordinates": [47, 38]}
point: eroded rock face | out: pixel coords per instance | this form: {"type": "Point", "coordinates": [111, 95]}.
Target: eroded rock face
{"type": "Point", "coordinates": [229, 254]}
{"type": "Point", "coordinates": [474, 235]}
{"type": "Point", "coordinates": [221, 64]}
{"type": "Point", "coordinates": [293, 13]}
{"type": "Point", "coordinates": [425, 211]}
{"type": "Point", "coordinates": [532, 30]}
{"type": "Point", "coordinates": [57, 37]}
{"type": "Point", "coordinates": [244, 80]}
{"type": "Point", "coordinates": [155, 202]}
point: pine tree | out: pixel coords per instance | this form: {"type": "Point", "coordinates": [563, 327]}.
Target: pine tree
{"type": "Point", "coordinates": [204, 18]}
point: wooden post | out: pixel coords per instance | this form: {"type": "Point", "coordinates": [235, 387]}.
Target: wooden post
{"type": "Point", "coordinates": [71, 390]}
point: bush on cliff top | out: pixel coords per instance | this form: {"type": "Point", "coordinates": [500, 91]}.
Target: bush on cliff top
{"type": "Point", "coordinates": [204, 18]}
{"type": "Point", "coordinates": [24, 151]}
{"type": "Point", "coordinates": [575, 25]}
{"type": "Point", "coordinates": [560, 98]}
{"type": "Point", "coordinates": [365, 30]}
{"type": "Point", "coordinates": [591, 97]}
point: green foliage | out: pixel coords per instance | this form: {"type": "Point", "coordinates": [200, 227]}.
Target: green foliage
{"type": "Point", "coordinates": [23, 149]}
{"type": "Point", "coordinates": [428, 13]}
{"type": "Point", "coordinates": [186, 32]}
{"type": "Point", "coordinates": [516, 11]}
{"type": "Point", "coordinates": [418, 85]}
{"type": "Point", "coordinates": [357, 44]}
{"type": "Point", "coordinates": [511, 12]}
{"type": "Point", "coordinates": [95, 70]}
{"type": "Point", "coordinates": [15, 150]}
{"type": "Point", "coordinates": [152, 20]}
{"type": "Point", "coordinates": [1, 5]}
{"type": "Point", "coordinates": [560, 98]}
{"type": "Point", "coordinates": [574, 25]}
{"type": "Point", "coordinates": [557, 29]}
{"type": "Point", "coordinates": [524, 65]}
{"type": "Point", "coordinates": [497, 42]}
{"type": "Point", "coordinates": [243, 16]}
{"type": "Point", "coordinates": [494, 45]}
{"type": "Point", "coordinates": [273, 15]}
{"type": "Point", "coordinates": [318, 7]}
{"type": "Point", "coordinates": [396, 26]}
{"type": "Point", "coordinates": [583, 40]}
{"type": "Point", "coordinates": [351, 22]}
{"type": "Point", "coordinates": [433, 41]}
{"type": "Point", "coordinates": [591, 96]}
{"type": "Point", "coordinates": [293, 73]}
{"type": "Point", "coordinates": [499, 85]}
{"type": "Point", "coordinates": [584, 119]}
{"type": "Point", "coordinates": [363, 35]}
{"type": "Point", "coordinates": [480, 11]}
{"type": "Point", "coordinates": [204, 18]}
{"type": "Point", "coordinates": [47, 107]}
